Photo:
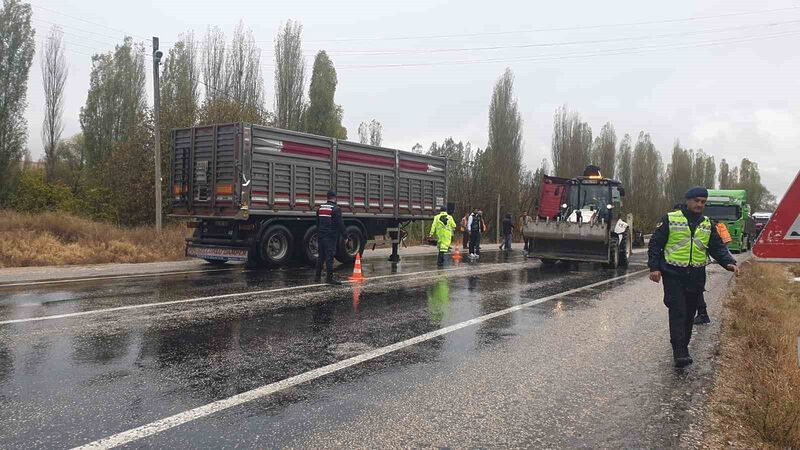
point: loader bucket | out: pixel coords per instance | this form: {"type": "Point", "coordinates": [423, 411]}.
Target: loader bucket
{"type": "Point", "coordinates": [568, 241]}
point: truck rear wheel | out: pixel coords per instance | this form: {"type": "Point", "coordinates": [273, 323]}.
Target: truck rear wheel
{"type": "Point", "coordinates": [347, 251]}
{"type": "Point", "coordinates": [275, 247]}
{"type": "Point", "coordinates": [310, 251]}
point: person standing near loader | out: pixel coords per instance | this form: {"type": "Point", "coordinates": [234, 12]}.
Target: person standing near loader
{"type": "Point", "coordinates": [508, 230]}
{"type": "Point", "coordinates": [329, 227]}
{"type": "Point", "coordinates": [678, 252]}
{"type": "Point", "coordinates": [443, 227]}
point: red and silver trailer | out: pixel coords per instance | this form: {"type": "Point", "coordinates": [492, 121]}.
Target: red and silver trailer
{"type": "Point", "coordinates": [251, 191]}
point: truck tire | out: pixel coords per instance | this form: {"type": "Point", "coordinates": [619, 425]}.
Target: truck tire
{"type": "Point", "coordinates": [310, 246]}
{"type": "Point", "coordinates": [624, 251]}
{"type": "Point", "coordinates": [276, 246]}
{"type": "Point", "coordinates": [347, 254]}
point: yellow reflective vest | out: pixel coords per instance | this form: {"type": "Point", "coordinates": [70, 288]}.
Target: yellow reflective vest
{"type": "Point", "coordinates": [683, 248]}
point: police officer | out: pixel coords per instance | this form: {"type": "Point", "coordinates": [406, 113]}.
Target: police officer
{"type": "Point", "coordinates": [443, 227]}
{"type": "Point", "coordinates": [329, 227]}
{"type": "Point", "coordinates": [678, 253]}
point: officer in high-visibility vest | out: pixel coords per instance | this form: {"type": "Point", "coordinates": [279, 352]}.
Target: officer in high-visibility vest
{"type": "Point", "coordinates": [679, 252]}
{"type": "Point", "coordinates": [443, 227]}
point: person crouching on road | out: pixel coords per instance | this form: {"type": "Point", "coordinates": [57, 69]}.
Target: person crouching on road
{"type": "Point", "coordinates": [329, 227]}
{"type": "Point", "coordinates": [443, 227]}
{"type": "Point", "coordinates": [678, 253]}
{"type": "Point", "coordinates": [475, 226]}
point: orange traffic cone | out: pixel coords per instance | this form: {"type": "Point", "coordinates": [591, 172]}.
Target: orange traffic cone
{"type": "Point", "coordinates": [357, 276]}
{"type": "Point", "coordinates": [456, 254]}
{"type": "Point", "coordinates": [356, 295]}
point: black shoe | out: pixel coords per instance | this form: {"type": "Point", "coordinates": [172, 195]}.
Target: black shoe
{"type": "Point", "coordinates": [683, 361]}
{"type": "Point", "coordinates": [702, 319]}
{"type": "Point", "coordinates": [318, 277]}
{"type": "Point", "coordinates": [333, 281]}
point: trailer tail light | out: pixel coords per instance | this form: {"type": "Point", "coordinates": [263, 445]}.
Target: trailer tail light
{"type": "Point", "coordinates": [177, 189]}
{"type": "Point", "coordinates": [224, 189]}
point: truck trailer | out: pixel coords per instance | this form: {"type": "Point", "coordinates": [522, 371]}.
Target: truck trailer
{"type": "Point", "coordinates": [730, 207]}
{"type": "Point", "coordinates": [579, 219]}
{"type": "Point", "coordinates": [251, 192]}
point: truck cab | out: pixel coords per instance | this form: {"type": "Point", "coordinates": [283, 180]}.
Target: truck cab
{"type": "Point", "coordinates": [729, 206]}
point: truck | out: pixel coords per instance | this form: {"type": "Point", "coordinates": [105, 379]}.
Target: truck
{"type": "Point", "coordinates": [251, 192]}
{"type": "Point", "coordinates": [729, 206]}
{"type": "Point", "coordinates": [579, 219]}
{"type": "Point", "coordinates": [760, 218]}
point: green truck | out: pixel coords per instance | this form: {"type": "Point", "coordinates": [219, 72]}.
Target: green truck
{"type": "Point", "coordinates": [730, 207]}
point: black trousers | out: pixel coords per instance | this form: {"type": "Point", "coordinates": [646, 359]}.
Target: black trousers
{"type": "Point", "coordinates": [326, 247]}
{"type": "Point", "coordinates": [440, 259]}
{"type": "Point", "coordinates": [682, 305]}
{"type": "Point", "coordinates": [475, 242]}
{"type": "Point", "coordinates": [701, 306]}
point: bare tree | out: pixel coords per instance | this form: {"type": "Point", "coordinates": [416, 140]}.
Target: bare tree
{"type": "Point", "coordinates": [370, 133]}
{"type": "Point", "coordinates": [214, 74]}
{"type": "Point", "coordinates": [572, 143]}
{"type": "Point", "coordinates": [54, 76]}
{"type": "Point", "coordinates": [290, 68]}
{"type": "Point", "coordinates": [244, 83]}
{"type": "Point", "coordinates": [604, 150]}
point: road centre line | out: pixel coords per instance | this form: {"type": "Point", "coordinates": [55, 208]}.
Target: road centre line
{"type": "Point", "coordinates": [173, 421]}
{"type": "Point", "coordinates": [227, 296]}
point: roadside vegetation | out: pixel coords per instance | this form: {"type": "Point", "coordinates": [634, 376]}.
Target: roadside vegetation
{"type": "Point", "coordinates": [56, 238]}
{"type": "Point", "coordinates": [756, 398]}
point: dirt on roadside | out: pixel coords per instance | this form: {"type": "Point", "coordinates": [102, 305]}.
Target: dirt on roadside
{"type": "Point", "coordinates": [755, 401]}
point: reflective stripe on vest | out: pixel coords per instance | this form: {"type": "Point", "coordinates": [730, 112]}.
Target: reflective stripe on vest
{"type": "Point", "coordinates": [683, 249]}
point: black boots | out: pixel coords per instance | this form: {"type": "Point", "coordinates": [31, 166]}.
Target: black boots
{"type": "Point", "coordinates": [683, 361]}
{"type": "Point", "coordinates": [702, 319]}
{"type": "Point", "coordinates": [332, 281]}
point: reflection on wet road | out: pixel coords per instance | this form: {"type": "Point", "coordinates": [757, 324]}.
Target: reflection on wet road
{"type": "Point", "coordinates": [67, 382]}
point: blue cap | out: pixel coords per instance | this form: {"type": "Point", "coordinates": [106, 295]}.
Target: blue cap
{"type": "Point", "coordinates": [697, 191]}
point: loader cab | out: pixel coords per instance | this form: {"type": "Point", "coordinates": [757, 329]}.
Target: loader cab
{"type": "Point", "coordinates": [594, 198]}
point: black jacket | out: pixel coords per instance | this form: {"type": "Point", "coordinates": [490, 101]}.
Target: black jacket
{"type": "Point", "coordinates": [508, 226]}
{"type": "Point", "coordinates": [329, 221]}
{"type": "Point", "coordinates": [694, 278]}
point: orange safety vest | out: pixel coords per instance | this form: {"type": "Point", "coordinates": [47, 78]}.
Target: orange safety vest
{"type": "Point", "coordinates": [723, 233]}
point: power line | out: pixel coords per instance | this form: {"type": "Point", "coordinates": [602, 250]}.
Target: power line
{"type": "Point", "coordinates": [87, 21]}
{"type": "Point", "coordinates": [564, 43]}
{"type": "Point", "coordinates": [570, 28]}
{"type": "Point", "coordinates": [609, 52]}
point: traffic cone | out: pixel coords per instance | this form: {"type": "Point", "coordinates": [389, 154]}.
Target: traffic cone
{"type": "Point", "coordinates": [357, 276]}
{"type": "Point", "coordinates": [356, 295]}
{"type": "Point", "coordinates": [456, 254]}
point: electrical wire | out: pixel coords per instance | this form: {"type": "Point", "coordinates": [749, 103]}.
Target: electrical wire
{"type": "Point", "coordinates": [609, 52]}
{"type": "Point", "coordinates": [86, 21]}
{"type": "Point", "coordinates": [569, 28]}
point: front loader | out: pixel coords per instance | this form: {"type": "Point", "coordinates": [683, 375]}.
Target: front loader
{"type": "Point", "coordinates": [579, 220]}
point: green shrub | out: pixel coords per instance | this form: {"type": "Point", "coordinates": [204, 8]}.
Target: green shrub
{"type": "Point", "coordinates": [34, 195]}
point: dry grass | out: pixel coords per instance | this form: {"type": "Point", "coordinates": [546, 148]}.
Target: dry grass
{"type": "Point", "coordinates": [756, 397]}
{"type": "Point", "coordinates": [59, 239]}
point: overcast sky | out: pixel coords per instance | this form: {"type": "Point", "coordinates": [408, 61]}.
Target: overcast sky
{"type": "Point", "coordinates": [727, 80]}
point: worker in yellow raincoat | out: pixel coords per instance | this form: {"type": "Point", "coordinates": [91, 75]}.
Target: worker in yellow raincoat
{"type": "Point", "coordinates": [443, 227]}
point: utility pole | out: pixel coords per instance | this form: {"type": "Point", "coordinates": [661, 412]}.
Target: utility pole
{"type": "Point", "coordinates": [498, 218]}
{"type": "Point", "coordinates": [157, 54]}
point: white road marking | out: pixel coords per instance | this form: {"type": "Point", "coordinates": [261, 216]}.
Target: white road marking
{"type": "Point", "coordinates": [263, 391]}
{"type": "Point", "coordinates": [107, 277]}
{"type": "Point", "coordinates": [224, 296]}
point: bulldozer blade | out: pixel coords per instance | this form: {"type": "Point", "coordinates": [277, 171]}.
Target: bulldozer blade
{"type": "Point", "coordinates": [568, 241]}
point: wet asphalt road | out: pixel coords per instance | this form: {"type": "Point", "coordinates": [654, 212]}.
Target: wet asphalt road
{"type": "Point", "coordinates": [590, 369]}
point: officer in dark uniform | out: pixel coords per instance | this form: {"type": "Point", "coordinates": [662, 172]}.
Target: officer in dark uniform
{"type": "Point", "coordinates": [329, 227]}
{"type": "Point", "coordinates": [678, 253]}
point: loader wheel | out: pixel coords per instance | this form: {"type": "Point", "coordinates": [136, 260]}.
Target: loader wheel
{"type": "Point", "coordinates": [624, 252]}
{"type": "Point", "coordinates": [613, 256]}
